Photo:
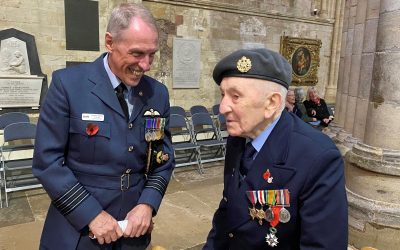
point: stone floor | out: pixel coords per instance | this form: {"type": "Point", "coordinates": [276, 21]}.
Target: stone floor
{"type": "Point", "coordinates": [183, 221]}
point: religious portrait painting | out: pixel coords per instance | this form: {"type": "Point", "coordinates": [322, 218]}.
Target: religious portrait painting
{"type": "Point", "coordinates": [303, 55]}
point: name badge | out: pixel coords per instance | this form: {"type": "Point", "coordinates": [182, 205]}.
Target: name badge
{"type": "Point", "coordinates": [92, 117]}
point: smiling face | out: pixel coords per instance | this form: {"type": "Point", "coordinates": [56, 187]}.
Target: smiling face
{"type": "Point", "coordinates": [131, 54]}
{"type": "Point", "coordinates": [248, 105]}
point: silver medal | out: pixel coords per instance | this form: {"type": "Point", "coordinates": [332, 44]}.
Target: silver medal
{"type": "Point", "coordinates": [284, 215]}
{"type": "Point", "coordinates": [272, 240]}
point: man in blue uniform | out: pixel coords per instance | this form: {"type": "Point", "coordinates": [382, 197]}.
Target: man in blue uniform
{"type": "Point", "coordinates": [103, 149]}
{"type": "Point", "coordinates": [284, 184]}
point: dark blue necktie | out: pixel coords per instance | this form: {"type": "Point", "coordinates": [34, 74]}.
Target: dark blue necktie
{"type": "Point", "coordinates": [247, 159]}
{"type": "Point", "coordinates": [121, 98]}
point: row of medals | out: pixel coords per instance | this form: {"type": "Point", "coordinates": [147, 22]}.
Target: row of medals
{"type": "Point", "coordinates": [154, 129]}
{"type": "Point", "coordinates": [268, 215]}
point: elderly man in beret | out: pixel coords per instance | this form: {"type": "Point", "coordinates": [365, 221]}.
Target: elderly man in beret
{"type": "Point", "coordinates": [284, 184]}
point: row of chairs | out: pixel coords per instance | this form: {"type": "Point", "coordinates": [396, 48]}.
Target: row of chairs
{"type": "Point", "coordinates": [197, 136]}
{"type": "Point", "coordinates": [16, 151]}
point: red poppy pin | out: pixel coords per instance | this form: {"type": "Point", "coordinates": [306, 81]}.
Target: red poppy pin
{"type": "Point", "coordinates": [92, 129]}
{"type": "Point", "coordinates": [267, 176]}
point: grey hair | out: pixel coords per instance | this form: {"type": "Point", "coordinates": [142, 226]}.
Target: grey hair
{"type": "Point", "coordinates": [299, 94]}
{"type": "Point", "coordinates": [122, 15]}
{"type": "Point", "coordinates": [275, 87]}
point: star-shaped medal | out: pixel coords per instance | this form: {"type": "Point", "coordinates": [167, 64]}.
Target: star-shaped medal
{"type": "Point", "coordinates": [272, 240]}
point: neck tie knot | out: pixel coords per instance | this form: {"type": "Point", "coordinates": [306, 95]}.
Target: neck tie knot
{"type": "Point", "coordinates": [119, 90]}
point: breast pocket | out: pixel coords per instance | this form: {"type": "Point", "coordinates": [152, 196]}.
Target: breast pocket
{"type": "Point", "coordinates": [91, 140]}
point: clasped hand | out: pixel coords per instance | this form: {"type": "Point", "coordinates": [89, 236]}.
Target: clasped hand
{"type": "Point", "coordinates": [106, 229]}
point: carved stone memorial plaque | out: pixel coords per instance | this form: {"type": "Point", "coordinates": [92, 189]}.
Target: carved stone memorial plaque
{"type": "Point", "coordinates": [186, 63]}
{"type": "Point", "coordinates": [22, 84]}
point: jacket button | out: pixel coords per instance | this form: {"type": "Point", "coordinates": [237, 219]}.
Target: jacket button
{"type": "Point", "coordinates": [225, 199]}
{"type": "Point", "coordinates": [230, 235]}
{"type": "Point", "coordinates": [130, 126]}
{"type": "Point", "coordinates": [130, 149]}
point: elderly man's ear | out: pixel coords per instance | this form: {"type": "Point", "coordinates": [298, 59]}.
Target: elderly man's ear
{"type": "Point", "coordinates": [273, 105]}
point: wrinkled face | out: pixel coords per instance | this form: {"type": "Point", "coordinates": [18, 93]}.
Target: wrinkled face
{"type": "Point", "coordinates": [290, 98]}
{"type": "Point", "coordinates": [243, 103]}
{"type": "Point", "coordinates": [132, 53]}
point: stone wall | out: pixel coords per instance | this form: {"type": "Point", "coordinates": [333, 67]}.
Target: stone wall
{"type": "Point", "coordinates": [222, 26]}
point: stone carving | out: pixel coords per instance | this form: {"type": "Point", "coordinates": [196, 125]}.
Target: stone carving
{"type": "Point", "coordinates": [14, 57]}
{"type": "Point", "coordinates": [22, 84]}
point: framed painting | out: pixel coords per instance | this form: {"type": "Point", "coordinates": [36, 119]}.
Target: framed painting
{"type": "Point", "coordinates": [303, 55]}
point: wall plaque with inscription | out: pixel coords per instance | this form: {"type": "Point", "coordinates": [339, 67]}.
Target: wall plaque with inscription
{"type": "Point", "coordinates": [186, 63]}
{"type": "Point", "coordinates": [20, 91]}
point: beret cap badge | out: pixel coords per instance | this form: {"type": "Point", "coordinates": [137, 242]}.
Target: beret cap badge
{"type": "Point", "coordinates": [243, 64]}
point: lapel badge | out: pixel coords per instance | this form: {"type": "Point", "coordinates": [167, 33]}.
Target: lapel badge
{"type": "Point", "coordinates": [243, 64]}
{"type": "Point", "coordinates": [267, 176]}
{"type": "Point", "coordinates": [161, 157]}
{"type": "Point", "coordinates": [140, 93]}
{"type": "Point", "coordinates": [151, 112]}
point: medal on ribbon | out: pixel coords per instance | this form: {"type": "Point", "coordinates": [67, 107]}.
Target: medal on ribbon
{"type": "Point", "coordinates": [270, 200]}
{"type": "Point", "coordinates": [260, 212]}
{"type": "Point", "coordinates": [252, 196]}
{"type": "Point", "coordinates": [154, 128]}
{"type": "Point", "coordinates": [271, 238]}
{"type": "Point", "coordinates": [283, 199]}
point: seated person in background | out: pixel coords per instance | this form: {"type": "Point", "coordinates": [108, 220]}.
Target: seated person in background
{"type": "Point", "coordinates": [316, 107]}
{"type": "Point", "coordinates": [291, 105]}
{"type": "Point", "coordinates": [299, 96]}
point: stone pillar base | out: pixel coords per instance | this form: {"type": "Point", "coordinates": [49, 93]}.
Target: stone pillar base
{"type": "Point", "coordinates": [372, 182]}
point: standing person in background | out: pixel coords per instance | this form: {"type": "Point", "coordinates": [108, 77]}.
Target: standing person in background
{"type": "Point", "coordinates": [284, 184]}
{"type": "Point", "coordinates": [103, 149]}
{"type": "Point", "coordinates": [316, 107]}
{"type": "Point", "coordinates": [291, 105]}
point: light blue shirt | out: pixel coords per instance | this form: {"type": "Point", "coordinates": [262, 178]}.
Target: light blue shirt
{"type": "Point", "coordinates": [259, 141]}
{"type": "Point", "coordinates": [115, 81]}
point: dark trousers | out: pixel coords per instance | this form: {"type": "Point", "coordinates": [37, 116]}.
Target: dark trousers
{"type": "Point", "coordinates": [141, 243]}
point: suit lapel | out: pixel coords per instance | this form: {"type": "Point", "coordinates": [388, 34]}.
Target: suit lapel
{"type": "Point", "coordinates": [103, 88]}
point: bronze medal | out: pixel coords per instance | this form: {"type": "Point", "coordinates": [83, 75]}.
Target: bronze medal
{"type": "Point", "coordinates": [269, 215]}
{"type": "Point", "coordinates": [260, 216]}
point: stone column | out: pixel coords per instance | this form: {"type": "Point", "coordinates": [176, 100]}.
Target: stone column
{"type": "Point", "coordinates": [339, 108]}
{"type": "Point", "coordinates": [331, 88]}
{"type": "Point", "coordinates": [354, 77]}
{"type": "Point", "coordinates": [367, 60]}
{"type": "Point", "coordinates": [373, 167]}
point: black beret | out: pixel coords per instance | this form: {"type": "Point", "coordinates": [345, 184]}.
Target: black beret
{"type": "Point", "coordinates": [259, 63]}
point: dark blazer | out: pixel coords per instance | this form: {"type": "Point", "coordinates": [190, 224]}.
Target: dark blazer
{"type": "Point", "coordinates": [300, 159]}
{"type": "Point", "coordinates": [83, 174]}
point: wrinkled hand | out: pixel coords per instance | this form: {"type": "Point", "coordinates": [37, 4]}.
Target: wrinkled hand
{"type": "Point", "coordinates": [105, 228]}
{"type": "Point", "coordinates": [139, 221]}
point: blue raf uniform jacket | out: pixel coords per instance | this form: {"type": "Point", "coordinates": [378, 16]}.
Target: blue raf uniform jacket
{"type": "Point", "coordinates": [84, 174]}
{"type": "Point", "coordinates": [300, 159]}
